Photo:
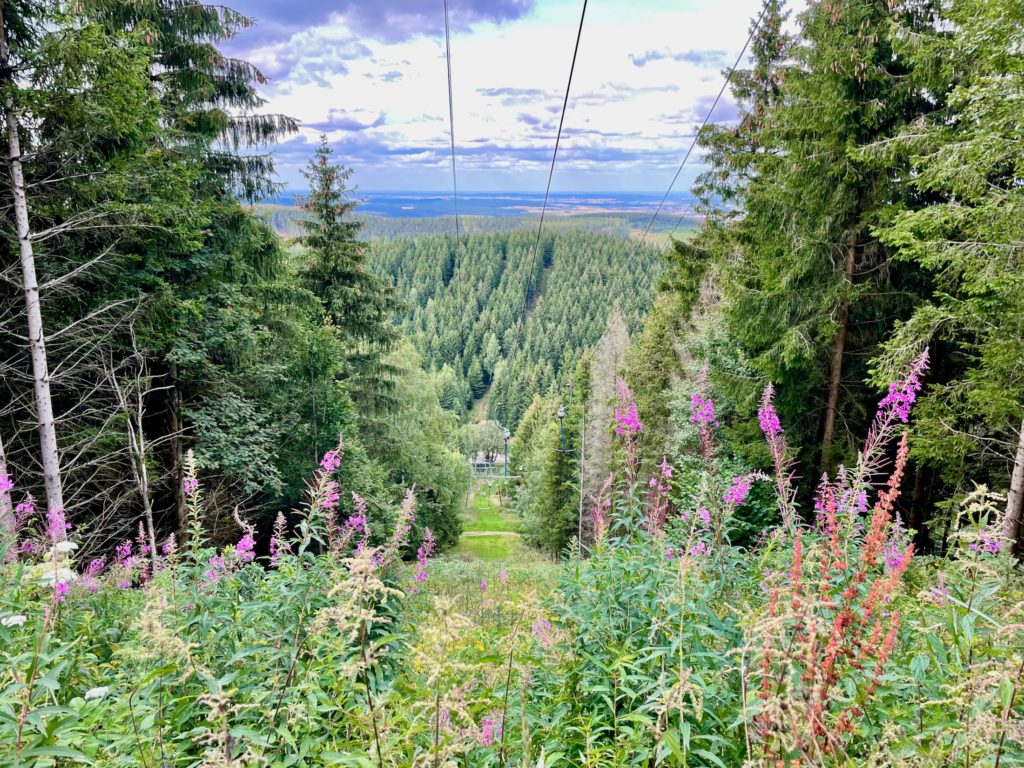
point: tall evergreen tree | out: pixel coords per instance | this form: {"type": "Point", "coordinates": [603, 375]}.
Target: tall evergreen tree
{"type": "Point", "coordinates": [967, 163]}
{"type": "Point", "coordinates": [358, 303]}
{"type": "Point", "coordinates": [809, 290]}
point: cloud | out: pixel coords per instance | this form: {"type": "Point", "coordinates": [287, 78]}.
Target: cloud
{"type": "Point", "coordinates": [341, 120]}
{"type": "Point", "coordinates": [383, 103]}
{"type": "Point", "coordinates": [727, 111]}
{"type": "Point", "coordinates": [699, 58]}
{"type": "Point", "coordinates": [512, 96]}
{"type": "Point", "coordinates": [614, 93]}
{"type": "Point", "coordinates": [310, 56]}
{"type": "Point", "coordinates": [390, 21]}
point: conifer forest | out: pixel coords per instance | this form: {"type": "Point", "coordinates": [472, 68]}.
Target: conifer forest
{"type": "Point", "coordinates": [298, 474]}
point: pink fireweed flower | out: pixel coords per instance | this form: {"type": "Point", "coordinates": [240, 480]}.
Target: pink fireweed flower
{"type": "Point", "coordinates": [490, 730]}
{"type": "Point", "coordinates": [331, 495]}
{"type": "Point", "coordinates": [483, 585]}
{"type": "Point", "coordinates": [123, 552]}
{"type": "Point", "coordinates": [627, 420]}
{"type": "Point", "coordinates": [331, 461]}
{"type": "Point", "coordinates": [657, 499]}
{"type": "Point", "coordinates": [29, 547]}
{"type": "Point", "coordinates": [666, 468]}
{"type": "Point", "coordinates": [772, 429]}
{"type": "Point", "coordinates": [704, 516]}
{"type": "Point", "coordinates": [89, 582]}
{"type": "Point", "coordinates": [56, 525]}
{"type": "Point", "coordinates": [698, 549]}
{"type": "Point", "coordinates": [245, 548]}
{"type": "Point", "coordinates": [25, 510]}
{"type": "Point", "coordinates": [544, 632]}
{"type": "Point", "coordinates": [391, 551]}
{"type": "Point", "coordinates": [189, 486]}
{"type": "Point", "coordinates": [903, 392]}
{"type": "Point", "coordinates": [767, 416]}
{"type": "Point", "coordinates": [737, 493]}
{"type": "Point", "coordinates": [6, 483]}
{"type": "Point", "coordinates": [702, 410]}
{"type": "Point", "coordinates": [169, 547]}
{"type": "Point", "coordinates": [217, 565]}
{"type": "Point", "coordinates": [60, 591]}
{"type": "Point", "coordinates": [426, 549]}
{"type": "Point", "coordinates": [988, 542]}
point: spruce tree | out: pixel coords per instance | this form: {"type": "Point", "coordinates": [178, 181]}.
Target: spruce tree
{"type": "Point", "coordinates": [358, 303]}
{"type": "Point", "coordinates": [967, 163]}
{"type": "Point", "coordinates": [808, 288]}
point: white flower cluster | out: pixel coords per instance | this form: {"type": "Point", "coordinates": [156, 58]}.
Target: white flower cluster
{"type": "Point", "coordinates": [58, 575]}
{"type": "Point", "coordinates": [13, 621]}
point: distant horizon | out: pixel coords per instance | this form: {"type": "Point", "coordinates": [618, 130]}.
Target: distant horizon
{"type": "Point", "coordinates": [448, 193]}
{"type": "Point", "coordinates": [429, 203]}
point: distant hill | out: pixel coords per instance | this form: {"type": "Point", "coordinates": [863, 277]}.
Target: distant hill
{"type": "Point", "coordinates": [466, 306]}
{"type": "Point", "coordinates": [284, 219]}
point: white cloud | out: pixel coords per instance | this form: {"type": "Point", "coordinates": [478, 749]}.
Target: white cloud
{"type": "Point", "coordinates": [509, 82]}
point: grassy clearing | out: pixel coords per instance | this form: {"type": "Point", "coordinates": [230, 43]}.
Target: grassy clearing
{"type": "Point", "coordinates": [462, 580]}
{"type": "Point", "coordinates": [495, 547]}
{"type": "Point", "coordinates": [484, 512]}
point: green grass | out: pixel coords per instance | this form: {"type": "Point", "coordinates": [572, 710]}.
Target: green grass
{"type": "Point", "coordinates": [498, 547]}
{"type": "Point", "coordinates": [485, 514]}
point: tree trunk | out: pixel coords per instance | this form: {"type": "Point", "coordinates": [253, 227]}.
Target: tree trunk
{"type": "Point", "coordinates": [583, 448]}
{"type": "Point", "coordinates": [137, 447]}
{"type": "Point", "coordinates": [30, 284]}
{"type": "Point", "coordinates": [1015, 498]}
{"type": "Point", "coordinates": [832, 409]}
{"type": "Point", "coordinates": [6, 503]}
{"type": "Point", "coordinates": [178, 456]}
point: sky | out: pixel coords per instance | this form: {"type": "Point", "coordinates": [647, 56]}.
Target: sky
{"type": "Point", "coordinates": [371, 76]}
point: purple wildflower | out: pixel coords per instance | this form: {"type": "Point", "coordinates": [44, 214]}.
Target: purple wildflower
{"type": "Point", "coordinates": [737, 494]}
{"type": "Point", "coordinates": [490, 730]}
{"type": "Point", "coordinates": [331, 461]}
{"type": "Point", "coordinates": [767, 416]}
{"type": "Point", "coordinates": [189, 486]}
{"type": "Point", "coordinates": [217, 566]}
{"type": "Point", "coordinates": [544, 632]}
{"type": "Point", "coordinates": [700, 548]}
{"type": "Point", "coordinates": [123, 552]}
{"type": "Point", "coordinates": [89, 581]}
{"type": "Point", "coordinates": [702, 410]}
{"type": "Point", "coordinates": [939, 594]}
{"type": "Point", "coordinates": [56, 525]}
{"type": "Point", "coordinates": [245, 548]}
{"type": "Point", "coordinates": [60, 591]}
{"type": "Point", "coordinates": [988, 542]}
{"type": "Point", "coordinates": [502, 576]}
{"type": "Point", "coordinates": [483, 585]}
{"type": "Point", "coordinates": [704, 516]}
{"type": "Point", "coordinates": [627, 420]}
{"type": "Point", "coordinates": [27, 508]}
{"type": "Point", "coordinates": [903, 393]}
{"type": "Point", "coordinates": [6, 483]}
{"type": "Point", "coordinates": [426, 549]}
